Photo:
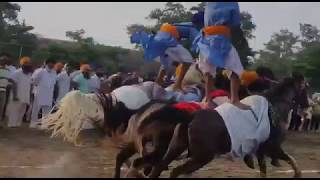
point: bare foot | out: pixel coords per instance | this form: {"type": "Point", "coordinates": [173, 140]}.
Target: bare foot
{"type": "Point", "coordinates": [179, 89]}
{"type": "Point", "coordinates": [241, 105]}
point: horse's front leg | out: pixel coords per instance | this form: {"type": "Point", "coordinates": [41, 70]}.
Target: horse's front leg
{"type": "Point", "coordinates": [262, 164]}
{"type": "Point", "coordinates": [292, 162]}
{"type": "Point", "coordinates": [122, 157]}
{"type": "Point", "coordinates": [178, 144]}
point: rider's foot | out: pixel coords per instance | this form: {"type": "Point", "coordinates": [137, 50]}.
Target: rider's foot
{"type": "Point", "coordinates": [241, 105]}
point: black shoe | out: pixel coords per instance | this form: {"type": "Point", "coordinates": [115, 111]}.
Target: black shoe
{"type": "Point", "coordinates": [249, 161]}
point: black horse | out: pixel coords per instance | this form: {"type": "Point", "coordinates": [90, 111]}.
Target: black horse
{"type": "Point", "coordinates": [206, 135]}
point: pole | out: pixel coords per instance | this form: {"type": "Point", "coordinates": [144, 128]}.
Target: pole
{"type": "Point", "coordinates": [21, 47]}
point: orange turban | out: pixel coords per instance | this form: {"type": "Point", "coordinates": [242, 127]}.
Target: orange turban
{"type": "Point", "coordinates": [58, 66]}
{"type": "Point", "coordinates": [248, 77]}
{"type": "Point", "coordinates": [85, 67]}
{"type": "Point", "coordinates": [170, 29]}
{"type": "Point", "coordinates": [25, 60]}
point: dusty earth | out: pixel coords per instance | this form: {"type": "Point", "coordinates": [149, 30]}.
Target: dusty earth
{"type": "Point", "coordinates": [32, 153]}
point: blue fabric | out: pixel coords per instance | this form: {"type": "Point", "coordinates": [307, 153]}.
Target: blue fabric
{"type": "Point", "coordinates": [154, 45]}
{"type": "Point", "coordinates": [187, 30]}
{"type": "Point", "coordinates": [198, 20]}
{"type": "Point", "coordinates": [216, 47]}
{"type": "Point", "coordinates": [222, 13]}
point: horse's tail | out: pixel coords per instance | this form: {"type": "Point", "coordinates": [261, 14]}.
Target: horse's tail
{"type": "Point", "coordinates": [168, 115]}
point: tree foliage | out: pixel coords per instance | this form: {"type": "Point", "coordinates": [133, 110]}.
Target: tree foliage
{"type": "Point", "coordinates": [15, 36]}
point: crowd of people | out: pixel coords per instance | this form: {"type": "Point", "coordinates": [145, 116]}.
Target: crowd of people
{"type": "Point", "coordinates": [28, 93]}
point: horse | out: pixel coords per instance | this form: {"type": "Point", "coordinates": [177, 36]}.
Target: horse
{"type": "Point", "coordinates": [169, 113]}
{"type": "Point", "coordinates": [116, 114]}
{"type": "Point", "coordinates": [206, 135]}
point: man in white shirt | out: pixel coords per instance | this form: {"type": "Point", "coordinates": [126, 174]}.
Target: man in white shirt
{"type": "Point", "coordinates": [44, 80]}
{"type": "Point", "coordinates": [63, 81]}
{"type": "Point", "coordinates": [22, 78]}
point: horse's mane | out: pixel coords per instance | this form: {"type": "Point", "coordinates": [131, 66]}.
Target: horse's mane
{"type": "Point", "coordinates": [118, 116]}
{"type": "Point", "coordinates": [279, 90]}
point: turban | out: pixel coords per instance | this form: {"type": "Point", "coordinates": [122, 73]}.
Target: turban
{"type": "Point", "coordinates": [58, 66]}
{"type": "Point", "coordinates": [85, 68]}
{"type": "Point", "coordinates": [170, 29]}
{"type": "Point", "coordinates": [248, 77]}
{"type": "Point", "coordinates": [25, 60]}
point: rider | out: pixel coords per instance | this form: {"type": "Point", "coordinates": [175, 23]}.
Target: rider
{"type": "Point", "coordinates": [215, 47]}
{"type": "Point", "coordinates": [165, 47]}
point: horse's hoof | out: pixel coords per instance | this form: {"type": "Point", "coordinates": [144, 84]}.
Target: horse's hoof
{"type": "Point", "coordinates": [263, 175]}
{"type": "Point", "coordinates": [298, 175]}
{"type": "Point", "coordinates": [249, 161]}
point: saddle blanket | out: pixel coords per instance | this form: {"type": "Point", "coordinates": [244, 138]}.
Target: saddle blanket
{"type": "Point", "coordinates": [247, 130]}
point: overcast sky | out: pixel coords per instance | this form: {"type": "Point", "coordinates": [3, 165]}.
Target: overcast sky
{"type": "Point", "coordinates": [106, 21]}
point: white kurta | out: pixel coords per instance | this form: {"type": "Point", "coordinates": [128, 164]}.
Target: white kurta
{"type": "Point", "coordinates": [44, 82]}
{"type": "Point", "coordinates": [132, 96]}
{"type": "Point", "coordinates": [23, 82]}
{"type": "Point", "coordinates": [63, 81]}
{"type": "Point", "coordinates": [11, 69]}
{"type": "Point", "coordinates": [17, 109]}
{"type": "Point", "coordinates": [246, 132]}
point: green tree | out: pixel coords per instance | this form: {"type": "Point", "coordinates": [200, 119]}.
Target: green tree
{"type": "Point", "coordinates": [309, 35]}
{"type": "Point", "coordinates": [308, 63]}
{"type": "Point", "coordinates": [279, 53]}
{"type": "Point", "coordinates": [14, 35]}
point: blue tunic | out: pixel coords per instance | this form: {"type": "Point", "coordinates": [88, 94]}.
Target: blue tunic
{"type": "Point", "coordinates": [215, 48]}
{"type": "Point", "coordinates": [155, 45]}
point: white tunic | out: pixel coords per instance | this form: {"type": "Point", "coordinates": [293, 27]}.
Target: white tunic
{"type": "Point", "coordinates": [44, 81]}
{"type": "Point", "coordinates": [63, 81]}
{"type": "Point", "coordinates": [132, 96]}
{"type": "Point", "coordinates": [23, 83]}
{"type": "Point", "coordinates": [11, 69]}
{"type": "Point", "coordinates": [246, 132]}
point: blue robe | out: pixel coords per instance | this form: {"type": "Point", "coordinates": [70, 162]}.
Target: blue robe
{"type": "Point", "coordinates": [155, 45]}
{"type": "Point", "coordinates": [216, 47]}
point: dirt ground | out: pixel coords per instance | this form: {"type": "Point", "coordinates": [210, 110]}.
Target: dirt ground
{"type": "Point", "coordinates": [32, 153]}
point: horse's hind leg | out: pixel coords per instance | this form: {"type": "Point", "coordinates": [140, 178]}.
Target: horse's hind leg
{"type": "Point", "coordinates": [160, 147]}
{"type": "Point", "coordinates": [189, 167]}
{"type": "Point", "coordinates": [124, 154]}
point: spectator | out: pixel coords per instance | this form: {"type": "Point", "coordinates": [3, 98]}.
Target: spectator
{"type": "Point", "coordinates": [95, 80]}
{"type": "Point", "coordinates": [44, 80]}
{"type": "Point", "coordinates": [18, 107]}
{"type": "Point", "coordinates": [9, 63]}
{"type": "Point", "coordinates": [81, 81]}
{"type": "Point", "coordinates": [63, 81]}
{"type": "Point", "coordinates": [4, 82]}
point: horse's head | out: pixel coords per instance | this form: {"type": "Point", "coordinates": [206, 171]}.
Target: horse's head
{"type": "Point", "coordinates": [73, 110]}
{"type": "Point", "coordinates": [285, 94]}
